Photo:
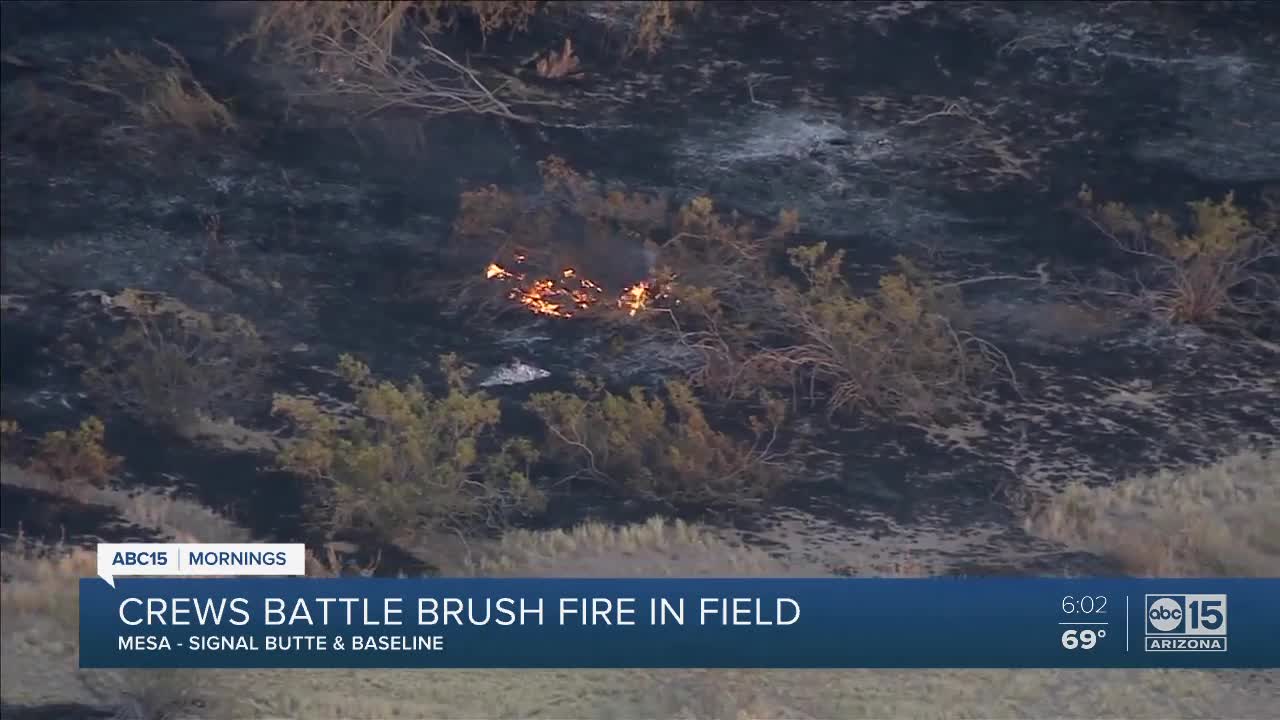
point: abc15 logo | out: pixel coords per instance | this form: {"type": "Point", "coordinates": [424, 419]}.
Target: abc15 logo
{"type": "Point", "coordinates": [1174, 614]}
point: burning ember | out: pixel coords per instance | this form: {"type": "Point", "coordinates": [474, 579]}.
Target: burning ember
{"type": "Point", "coordinates": [635, 299]}
{"type": "Point", "coordinates": [563, 296]}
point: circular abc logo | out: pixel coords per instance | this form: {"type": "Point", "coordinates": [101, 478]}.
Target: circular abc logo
{"type": "Point", "coordinates": [1165, 614]}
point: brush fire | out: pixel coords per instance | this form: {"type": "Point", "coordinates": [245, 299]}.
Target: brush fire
{"type": "Point", "coordinates": [567, 294]}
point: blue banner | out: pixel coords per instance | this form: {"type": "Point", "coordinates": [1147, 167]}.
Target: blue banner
{"type": "Point", "coordinates": [678, 623]}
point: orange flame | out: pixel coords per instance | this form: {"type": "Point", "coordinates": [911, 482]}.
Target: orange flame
{"type": "Point", "coordinates": [635, 298]}
{"type": "Point", "coordinates": [539, 299]}
{"type": "Point", "coordinates": [561, 297]}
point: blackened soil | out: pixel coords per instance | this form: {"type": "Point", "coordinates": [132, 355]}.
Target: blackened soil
{"type": "Point", "coordinates": [955, 133]}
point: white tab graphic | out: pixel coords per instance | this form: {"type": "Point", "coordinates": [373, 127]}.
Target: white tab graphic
{"type": "Point", "coordinates": [140, 559]}
{"type": "Point", "coordinates": [197, 559]}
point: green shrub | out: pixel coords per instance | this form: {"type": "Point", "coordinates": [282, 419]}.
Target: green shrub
{"type": "Point", "coordinates": [172, 367]}
{"type": "Point", "coordinates": [659, 445]}
{"type": "Point", "coordinates": [1201, 270]}
{"type": "Point", "coordinates": [76, 460]}
{"type": "Point", "coordinates": [895, 350]}
{"type": "Point", "coordinates": [716, 275]}
{"type": "Point", "coordinates": [409, 462]}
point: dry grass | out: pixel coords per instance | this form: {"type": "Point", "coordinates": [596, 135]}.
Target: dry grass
{"type": "Point", "coordinates": [1219, 520]}
{"type": "Point", "coordinates": [227, 433]}
{"type": "Point", "coordinates": [39, 581]}
{"type": "Point", "coordinates": [304, 29]}
{"type": "Point", "coordinates": [311, 31]}
{"type": "Point", "coordinates": [157, 94]}
{"type": "Point", "coordinates": [655, 21]}
{"type": "Point", "coordinates": [178, 518]}
{"type": "Point", "coordinates": [386, 54]}
{"type": "Point", "coordinates": [558, 64]}
{"type": "Point", "coordinates": [39, 617]}
{"type": "Point", "coordinates": [656, 548]}
{"type": "Point", "coordinates": [356, 44]}
{"type": "Point", "coordinates": [181, 519]}
{"type": "Point", "coordinates": [39, 625]}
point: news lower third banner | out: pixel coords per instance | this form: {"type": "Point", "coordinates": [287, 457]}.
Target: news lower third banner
{"type": "Point", "coordinates": [298, 622]}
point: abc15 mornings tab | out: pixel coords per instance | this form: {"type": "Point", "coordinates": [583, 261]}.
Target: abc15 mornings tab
{"type": "Point", "coordinates": [1185, 623]}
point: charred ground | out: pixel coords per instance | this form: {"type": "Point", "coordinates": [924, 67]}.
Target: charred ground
{"type": "Point", "coordinates": [954, 133]}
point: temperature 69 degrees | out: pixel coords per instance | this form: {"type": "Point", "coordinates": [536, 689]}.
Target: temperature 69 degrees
{"type": "Point", "coordinates": [1084, 621]}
